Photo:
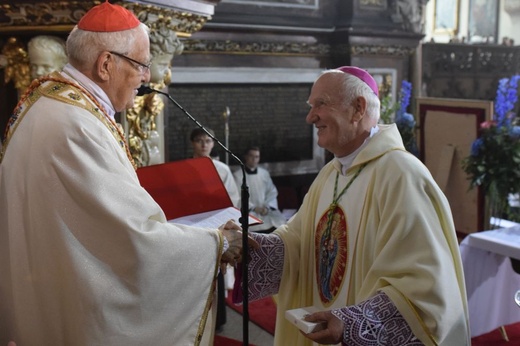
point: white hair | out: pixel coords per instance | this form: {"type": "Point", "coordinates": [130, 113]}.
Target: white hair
{"type": "Point", "coordinates": [84, 47]}
{"type": "Point", "coordinates": [354, 87]}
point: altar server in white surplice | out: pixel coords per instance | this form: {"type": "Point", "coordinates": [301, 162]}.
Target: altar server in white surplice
{"type": "Point", "coordinates": [202, 145]}
{"type": "Point", "coordinates": [263, 202]}
{"type": "Point", "coordinates": [87, 257]}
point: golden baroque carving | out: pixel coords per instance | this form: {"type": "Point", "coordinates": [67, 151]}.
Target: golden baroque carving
{"type": "Point", "coordinates": [393, 50]}
{"type": "Point", "coordinates": [15, 17]}
{"type": "Point", "coordinates": [17, 68]}
{"type": "Point", "coordinates": [63, 15]}
{"type": "Point", "coordinates": [261, 48]}
{"type": "Point", "coordinates": [183, 23]}
{"type": "Point", "coordinates": [142, 127]}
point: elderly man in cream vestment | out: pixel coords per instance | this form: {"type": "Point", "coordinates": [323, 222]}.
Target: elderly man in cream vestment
{"type": "Point", "coordinates": [87, 257]}
{"type": "Point", "coordinates": [373, 246]}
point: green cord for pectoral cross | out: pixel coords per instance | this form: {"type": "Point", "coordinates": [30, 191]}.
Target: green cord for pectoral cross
{"type": "Point", "coordinates": [335, 200]}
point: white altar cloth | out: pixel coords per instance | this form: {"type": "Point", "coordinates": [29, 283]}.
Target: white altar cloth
{"type": "Point", "coordinates": [491, 282]}
{"type": "Point", "coordinates": [503, 241]}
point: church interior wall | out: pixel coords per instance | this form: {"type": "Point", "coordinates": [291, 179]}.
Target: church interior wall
{"type": "Point", "coordinates": [508, 24]}
{"type": "Point", "coordinates": [457, 65]}
{"type": "Point", "coordinates": [270, 44]}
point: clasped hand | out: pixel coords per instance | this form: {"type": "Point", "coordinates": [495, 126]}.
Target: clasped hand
{"type": "Point", "coordinates": [233, 233]}
{"type": "Point", "coordinates": [261, 210]}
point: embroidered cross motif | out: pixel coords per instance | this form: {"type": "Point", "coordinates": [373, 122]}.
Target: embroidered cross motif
{"type": "Point", "coordinates": [371, 329]}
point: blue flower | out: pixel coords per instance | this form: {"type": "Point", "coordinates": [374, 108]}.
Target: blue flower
{"type": "Point", "coordinates": [406, 92]}
{"type": "Point", "coordinates": [506, 98]}
{"type": "Point", "coordinates": [405, 120]}
{"type": "Point", "coordinates": [476, 146]}
{"type": "Point", "coordinates": [514, 132]}
{"type": "Point", "coordinates": [397, 114]}
{"type": "Point", "coordinates": [493, 163]}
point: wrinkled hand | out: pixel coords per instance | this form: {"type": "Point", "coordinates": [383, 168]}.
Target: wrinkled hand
{"type": "Point", "coordinates": [333, 332]}
{"type": "Point", "coordinates": [233, 234]}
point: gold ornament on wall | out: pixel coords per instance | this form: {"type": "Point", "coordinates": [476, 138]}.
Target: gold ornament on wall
{"type": "Point", "coordinates": [17, 68]}
{"type": "Point", "coordinates": [142, 128]}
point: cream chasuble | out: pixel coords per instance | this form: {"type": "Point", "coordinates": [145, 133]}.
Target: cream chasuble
{"type": "Point", "coordinates": [86, 255]}
{"type": "Point", "coordinates": [380, 243]}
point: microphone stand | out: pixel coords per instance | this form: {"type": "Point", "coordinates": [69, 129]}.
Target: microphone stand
{"type": "Point", "coordinates": [244, 210]}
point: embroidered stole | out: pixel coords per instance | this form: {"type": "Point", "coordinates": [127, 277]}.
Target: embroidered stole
{"type": "Point", "coordinates": [56, 87]}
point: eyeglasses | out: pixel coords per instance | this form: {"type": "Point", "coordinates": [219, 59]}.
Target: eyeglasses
{"type": "Point", "coordinates": [141, 67]}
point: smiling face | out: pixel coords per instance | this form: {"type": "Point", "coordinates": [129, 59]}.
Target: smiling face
{"type": "Point", "coordinates": [342, 126]}
{"type": "Point", "coordinates": [334, 120]}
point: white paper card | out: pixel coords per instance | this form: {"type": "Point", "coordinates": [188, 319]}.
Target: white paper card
{"type": "Point", "coordinates": [296, 317]}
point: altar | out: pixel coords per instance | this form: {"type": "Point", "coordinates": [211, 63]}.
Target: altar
{"type": "Point", "coordinates": [491, 282]}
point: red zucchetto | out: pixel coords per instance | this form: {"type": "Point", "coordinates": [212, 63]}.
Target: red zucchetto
{"type": "Point", "coordinates": [108, 18]}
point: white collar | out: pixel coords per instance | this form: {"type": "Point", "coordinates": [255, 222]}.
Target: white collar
{"type": "Point", "coordinates": [71, 72]}
{"type": "Point", "coordinates": [346, 161]}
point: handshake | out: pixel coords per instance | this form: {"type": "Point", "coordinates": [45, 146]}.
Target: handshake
{"type": "Point", "coordinates": [233, 234]}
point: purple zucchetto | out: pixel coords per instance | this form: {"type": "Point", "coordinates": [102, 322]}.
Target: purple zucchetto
{"type": "Point", "coordinates": [363, 75]}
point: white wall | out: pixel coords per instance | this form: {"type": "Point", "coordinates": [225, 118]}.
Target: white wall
{"type": "Point", "coordinates": [508, 22]}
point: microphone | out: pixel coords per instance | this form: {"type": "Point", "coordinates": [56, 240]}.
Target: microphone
{"type": "Point", "coordinates": [244, 207]}
{"type": "Point", "coordinates": [145, 90]}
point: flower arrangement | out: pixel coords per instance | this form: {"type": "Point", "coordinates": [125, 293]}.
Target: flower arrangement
{"type": "Point", "coordinates": [397, 113]}
{"type": "Point", "coordinates": [494, 161]}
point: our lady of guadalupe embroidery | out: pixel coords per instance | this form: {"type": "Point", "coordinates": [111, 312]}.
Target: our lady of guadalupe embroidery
{"type": "Point", "coordinates": [331, 246]}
